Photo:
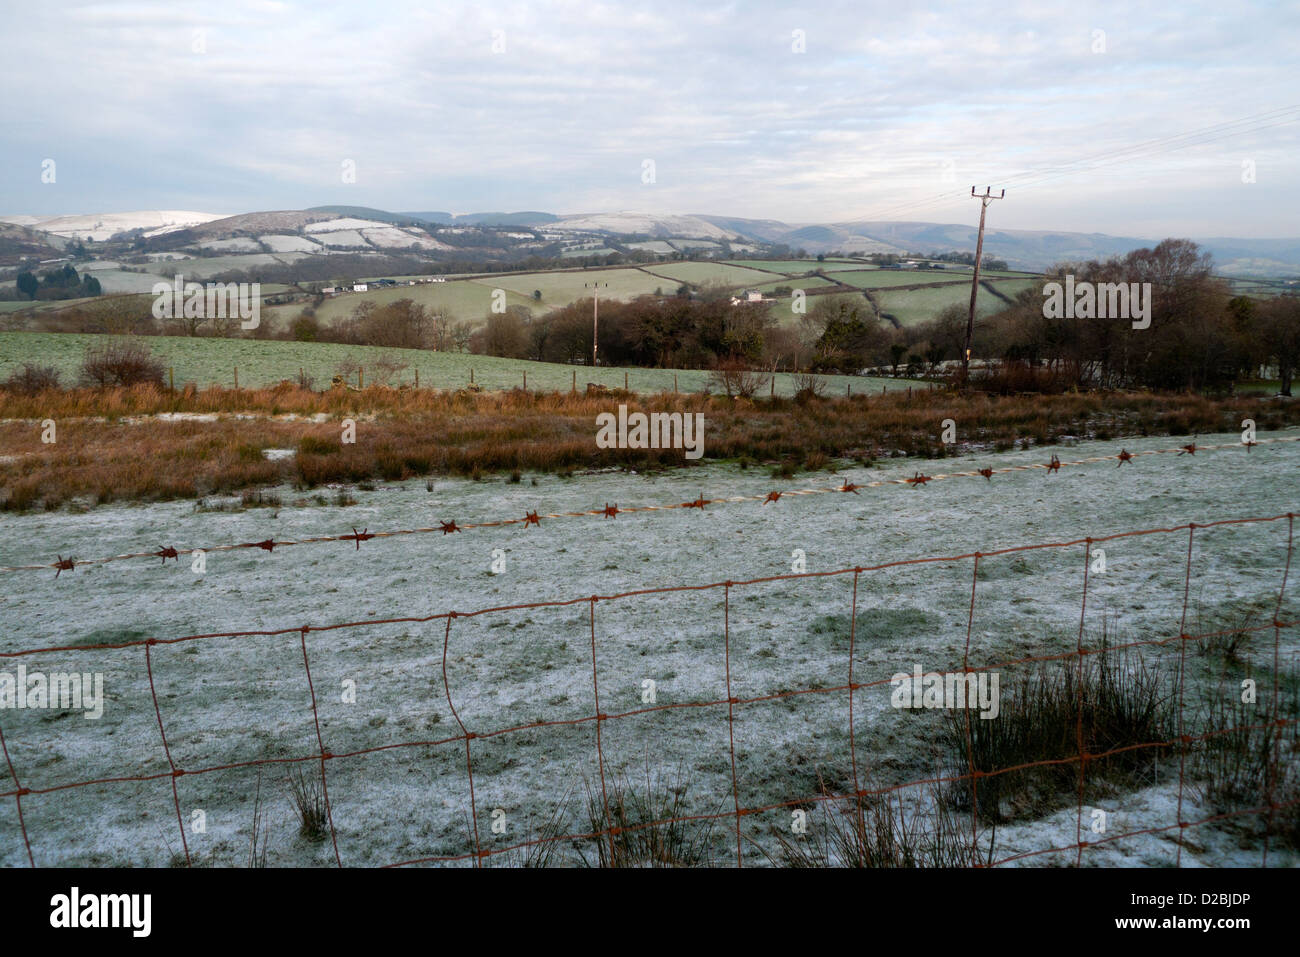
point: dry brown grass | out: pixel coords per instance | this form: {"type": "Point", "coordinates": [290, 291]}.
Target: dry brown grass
{"type": "Point", "coordinates": [102, 454]}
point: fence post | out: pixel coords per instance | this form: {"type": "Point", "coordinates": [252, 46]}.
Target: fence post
{"type": "Point", "coordinates": [674, 383]}
{"type": "Point", "coordinates": [236, 377]}
{"type": "Point", "coordinates": [624, 381]}
{"type": "Point", "coordinates": [525, 380]}
{"type": "Point", "coordinates": [417, 377]}
{"type": "Point", "coordinates": [471, 375]}
{"type": "Point", "coordinates": [574, 387]}
{"type": "Point", "coordinates": [361, 377]}
{"type": "Point", "coordinates": [171, 378]}
{"type": "Point", "coordinates": [848, 390]}
{"type": "Point", "coordinates": [773, 394]}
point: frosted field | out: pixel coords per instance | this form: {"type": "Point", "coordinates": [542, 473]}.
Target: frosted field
{"type": "Point", "coordinates": [289, 244]}
{"type": "Point", "coordinates": [230, 700]}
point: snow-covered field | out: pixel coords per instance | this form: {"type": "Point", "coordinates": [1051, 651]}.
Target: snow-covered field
{"type": "Point", "coordinates": [230, 700]}
{"type": "Point", "coordinates": [289, 244]}
{"type": "Point", "coordinates": [102, 226]}
{"type": "Point", "coordinates": [240, 244]}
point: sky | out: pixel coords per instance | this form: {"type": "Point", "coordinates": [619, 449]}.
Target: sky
{"type": "Point", "coordinates": [827, 112]}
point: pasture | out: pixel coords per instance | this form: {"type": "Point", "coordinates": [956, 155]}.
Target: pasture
{"type": "Point", "coordinates": [390, 701]}
{"type": "Point", "coordinates": [211, 361]}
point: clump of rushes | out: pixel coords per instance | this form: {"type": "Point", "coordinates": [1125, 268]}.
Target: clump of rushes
{"type": "Point", "coordinates": [307, 794]}
{"type": "Point", "coordinates": [880, 831]}
{"type": "Point", "coordinates": [645, 820]}
{"type": "Point", "coordinates": [1118, 703]}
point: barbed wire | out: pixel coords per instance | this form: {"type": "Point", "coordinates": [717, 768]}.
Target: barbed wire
{"type": "Point", "coordinates": [1181, 742]}
{"type": "Point", "coordinates": [534, 518]}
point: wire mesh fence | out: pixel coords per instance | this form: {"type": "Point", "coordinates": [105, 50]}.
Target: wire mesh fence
{"type": "Point", "coordinates": [1064, 737]}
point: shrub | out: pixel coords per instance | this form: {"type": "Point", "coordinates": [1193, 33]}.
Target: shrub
{"type": "Point", "coordinates": [305, 328]}
{"type": "Point", "coordinates": [733, 378]}
{"type": "Point", "coordinates": [316, 445]}
{"type": "Point", "coordinates": [31, 379]}
{"type": "Point", "coordinates": [121, 362]}
{"type": "Point", "coordinates": [808, 387]}
{"type": "Point", "coordinates": [387, 366]}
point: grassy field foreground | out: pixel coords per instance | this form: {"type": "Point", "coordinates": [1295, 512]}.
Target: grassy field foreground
{"type": "Point", "coordinates": [145, 444]}
{"type": "Point", "coordinates": [208, 362]}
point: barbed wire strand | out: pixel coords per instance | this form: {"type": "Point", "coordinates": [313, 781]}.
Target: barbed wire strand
{"type": "Point", "coordinates": [1183, 741]}
{"type": "Point", "coordinates": [533, 518]}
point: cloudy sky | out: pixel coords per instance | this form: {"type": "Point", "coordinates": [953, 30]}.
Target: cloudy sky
{"type": "Point", "coordinates": [805, 113]}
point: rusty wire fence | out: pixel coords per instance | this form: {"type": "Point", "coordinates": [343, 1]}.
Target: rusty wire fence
{"type": "Point", "coordinates": [747, 818]}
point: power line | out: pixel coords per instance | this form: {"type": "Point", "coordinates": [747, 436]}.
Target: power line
{"type": "Point", "coordinates": [987, 198]}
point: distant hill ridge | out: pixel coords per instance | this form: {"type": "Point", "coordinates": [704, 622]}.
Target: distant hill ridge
{"type": "Point", "coordinates": [1020, 248]}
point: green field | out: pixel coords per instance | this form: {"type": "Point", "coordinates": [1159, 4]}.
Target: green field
{"type": "Point", "coordinates": [797, 267]}
{"type": "Point", "coordinates": [470, 298]}
{"type": "Point", "coordinates": [561, 288]}
{"type": "Point", "coordinates": [698, 272]}
{"type": "Point", "coordinates": [465, 299]}
{"type": "Point", "coordinates": [910, 306]}
{"type": "Point", "coordinates": [208, 362]}
{"type": "Point", "coordinates": [884, 278]}
{"type": "Point", "coordinates": [803, 282]}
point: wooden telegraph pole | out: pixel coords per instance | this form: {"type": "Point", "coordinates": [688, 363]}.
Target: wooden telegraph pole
{"type": "Point", "coordinates": [987, 198]}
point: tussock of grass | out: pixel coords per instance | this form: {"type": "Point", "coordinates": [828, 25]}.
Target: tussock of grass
{"type": "Point", "coordinates": [643, 818]}
{"type": "Point", "coordinates": [307, 795]}
{"type": "Point", "coordinates": [879, 832]}
{"type": "Point", "coordinates": [1246, 758]}
{"type": "Point", "coordinates": [1113, 699]}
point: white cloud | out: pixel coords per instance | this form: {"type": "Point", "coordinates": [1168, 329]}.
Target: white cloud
{"type": "Point", "coordinates": [859, 125]}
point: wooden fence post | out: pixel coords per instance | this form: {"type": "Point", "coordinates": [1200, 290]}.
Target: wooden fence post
{"type": "Point", "coordinates": [674, 383]}
{"type": "Point", "coordinates": [624, 381]}
{"type": "Point", "coordinates": [171, 378]}
{"type": "Point", "coordinates": [417, 377]}
{"type": "Point", "coordinates": [525, 380]}
{"type": "Point", "coordinates": [471, 375]}
{"type": "Point", "coordinates": [361, 377]}
{"type": "Point", "coordinates": [574, 387]}
{"type": "Point", "coordinates": [236, 377]}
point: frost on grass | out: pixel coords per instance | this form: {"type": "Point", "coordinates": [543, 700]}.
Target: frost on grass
{"type": "Point", "coordinates": [227, 701]}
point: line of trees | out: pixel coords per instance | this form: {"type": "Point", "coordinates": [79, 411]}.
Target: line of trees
{"type": "Point", "coordinates": [1201, 336]}
{"type": "Point", "coordinates": [55, 284]}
